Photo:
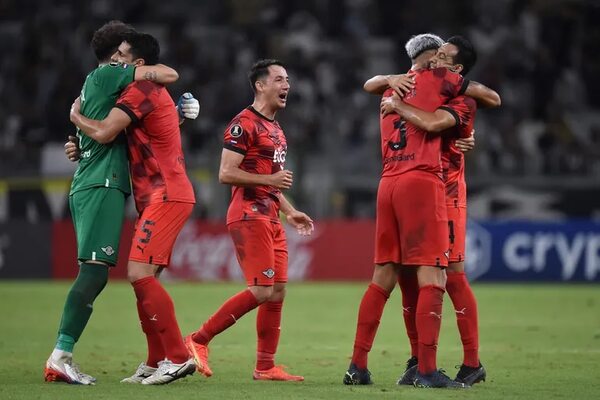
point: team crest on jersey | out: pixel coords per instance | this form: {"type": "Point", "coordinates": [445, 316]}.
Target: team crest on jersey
{"type": "Point", "coordinates": [236, 130]}
{"type": "Point", "coordinates": [269, 273]}
{"type": "Point", "coordinates": [108, 250]}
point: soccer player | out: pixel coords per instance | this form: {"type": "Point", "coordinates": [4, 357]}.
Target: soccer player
{"type": "Point", "coordinates": [412, 225]}
{"type": "Point", "coordinates": [97, 198]}
{"type": "Point", "coordinates": [164, 199]}
{"type": "Point", "coordinates": [252, 161]}
{"type": "Point", "coordinates": [458, 55]}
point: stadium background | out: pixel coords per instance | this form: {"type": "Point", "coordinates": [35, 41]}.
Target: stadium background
{"type": "Point", "coordinates": [534, 184]}
{"type": "Point", "coordinates": [536, 158]}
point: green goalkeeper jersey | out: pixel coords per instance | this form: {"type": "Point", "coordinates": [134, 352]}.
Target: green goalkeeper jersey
{"type": "Point", "coordinates": [103, 164]}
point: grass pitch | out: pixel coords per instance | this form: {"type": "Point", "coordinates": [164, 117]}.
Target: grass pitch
{"type": "Point", "coordinates": [537, 342]}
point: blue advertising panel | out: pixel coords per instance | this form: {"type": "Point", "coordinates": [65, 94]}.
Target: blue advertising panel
{"type": "Point", "coordinates": [533, 251]}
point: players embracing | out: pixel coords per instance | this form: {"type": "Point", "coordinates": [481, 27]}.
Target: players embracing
{"type": "Point", "coordinates": [412, 231]}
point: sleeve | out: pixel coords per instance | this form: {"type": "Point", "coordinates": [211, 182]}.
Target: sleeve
{"type": "Point", "coordinates": [239, 135]}
{"type": "Point", "coordinates": [136, 100]}
{"type": "Point", "coordinates": [117, 75]}
{"type": "Point", "coordinates": [463, 110]}
{"type": "Point", "coordinates": [454, 84]}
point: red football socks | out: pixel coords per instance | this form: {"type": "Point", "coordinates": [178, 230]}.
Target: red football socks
{"type": "Point", "coordinates": [465, 306]}
{"type": "Point", "coordinates": [156, 303]}
{"type": "Point", "coordinates": [429, 320]}
{"type": "Point", "coordinates": [156, 352]}
{"type": "Point", "coordinates": [369, 316]}
{"type": "Point", "coordinates": [409, 285]}
{"type": "Point", "coordinates": [232, 310]}
{"type": "Point", "coordinates": [268, 328]}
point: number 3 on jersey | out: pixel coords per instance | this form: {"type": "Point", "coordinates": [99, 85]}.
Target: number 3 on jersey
{"type": "Point", "coordinates": [401, 127]}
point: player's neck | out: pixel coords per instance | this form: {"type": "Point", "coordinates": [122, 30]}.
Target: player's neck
{"type": "Point", "coordinates": [264, 109]}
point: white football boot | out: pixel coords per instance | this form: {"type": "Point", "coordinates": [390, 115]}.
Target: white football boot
{"type": "Point", "coordinates": [168, 372]}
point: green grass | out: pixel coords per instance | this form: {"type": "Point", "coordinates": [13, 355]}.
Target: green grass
{"type": "Point", "coordinates": [537, 342]}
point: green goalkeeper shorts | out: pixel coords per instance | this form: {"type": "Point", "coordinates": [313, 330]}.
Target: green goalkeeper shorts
{"type": "Point", "coordinates": [97, 215]}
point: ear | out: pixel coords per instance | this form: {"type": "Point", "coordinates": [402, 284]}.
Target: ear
{"type": "Point", "coordinates": [457, 68]}
{"type": "Point", "coordinates": [138, 62]}
{"type": "Point", "coordinates": [259, 85]}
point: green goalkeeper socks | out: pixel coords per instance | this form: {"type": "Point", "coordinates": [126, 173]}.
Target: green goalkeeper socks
{"type": "Point", "coordinates": [92, 278]}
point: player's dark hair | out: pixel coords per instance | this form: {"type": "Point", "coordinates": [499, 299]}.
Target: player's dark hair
{"type": "Point", "coordinates": [107, 39]}
{"type": "Point", "coordinates": [261, 69]}
{"type": "Point", "coordinates": [143, 45]}
{"type": "Point", "coordinates": [467, 56]}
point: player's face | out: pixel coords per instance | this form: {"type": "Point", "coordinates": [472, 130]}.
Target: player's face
{"type": "Point", "coordinates": [444, 58]}
{"type": "Point", "coordinates": [276, 86]}
{"type": "Point", "coordinates": [123, 55]}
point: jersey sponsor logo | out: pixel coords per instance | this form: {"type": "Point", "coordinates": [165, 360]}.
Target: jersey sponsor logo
{"type": "Point", "coordinates": [269, 273]}
{"type": "Point", "coordinates": [108, 250]}
{"type": "Point", "coordinates": [400, 157]}
{"type": "Point", "coordinates": [279, 156]}
{"type": "Point", "coordinates": [236, 130]}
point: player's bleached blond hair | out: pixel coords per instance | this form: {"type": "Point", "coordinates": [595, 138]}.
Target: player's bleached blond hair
{"type": "Point", "coordinates": [423, 42]}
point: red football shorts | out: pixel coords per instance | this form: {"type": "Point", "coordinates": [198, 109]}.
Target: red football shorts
{"type": "Point", "coordinates": [457, 230]}
{"type": "Point", "coordinates": [156, 230]}
{"type": "Point", "coordinates": [412, 224]}
{"type": "Point", "coordinates": [261, 250]}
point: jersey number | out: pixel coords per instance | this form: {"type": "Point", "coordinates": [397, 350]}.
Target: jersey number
{"type": "Point", "coordinates": [146, 229]}
{"type": "Point", "coordinates": [399, 145]}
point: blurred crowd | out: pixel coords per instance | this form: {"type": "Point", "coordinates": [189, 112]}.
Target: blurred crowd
{"type": "Point", "coordinates": [540, 55]}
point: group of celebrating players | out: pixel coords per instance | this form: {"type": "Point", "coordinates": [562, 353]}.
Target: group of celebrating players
{"type": "Point", "coordinates": [128, 131]}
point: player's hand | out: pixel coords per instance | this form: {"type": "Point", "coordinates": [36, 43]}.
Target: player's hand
{"type": "Point", "coordinates": [75, 107]}
{"type": "Point", "coordinates": [466, 144]}
{"type": "Point", "coordinates": [389, 104]}
{"type": "Point", "coordinates": [402, 84]}
{"type": "Point", "coordinates": [302, 222]}
{"type": "Point", "coordinates": [282, 179]}
{"type": "Point", "coordinates": [72, 150]}
{"type": "Point", "coordinates": [188, 106]}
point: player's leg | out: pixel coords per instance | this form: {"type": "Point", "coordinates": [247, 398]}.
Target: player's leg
{"type": "Point", "coordinates": [157, 228]}
{"type": "Point", "coordinates": [463, 298]}
{"type": "Point", "coordinates": [424, 241]}
{"type": "Point", "coordinates": [369, 316]}
{"type": "Point", "coordinates": [97, 215]}
{"type": "Point", "coordinates": [387, 254]}
{"type": "Point", "coordinates": [268, 318]}
{"type": "Point", "coordinates": [409, 285]}
{"type": "Point", "coordinates": [253, 241]}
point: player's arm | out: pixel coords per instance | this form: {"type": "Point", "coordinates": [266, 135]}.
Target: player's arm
{"type": "Point", "coordinates": [104, 131]}
{"type": "Point", "coordinates": [402, 84]}
{"type": "Point", "coordinates": [231, 173]}
{"type": "Point", "coordinates": [158, 73]}
{"type": "Point", "coordinates": [484, 96]}
{"type": "Point", "coordinates": [437, 121]}
{"type": "Point", "coordinates": [299, 220]}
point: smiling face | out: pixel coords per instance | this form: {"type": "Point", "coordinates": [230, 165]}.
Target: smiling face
{"type": "Point", "coordinates": [444, 58]}
{"type": "Point", "coordinates": [274, 87]}
{"type": "Point", "coordinates": [124, 55]}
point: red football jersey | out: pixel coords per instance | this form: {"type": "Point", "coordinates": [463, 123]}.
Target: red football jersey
{"type": "Point", "coordinates": [262, 142]}
{"type": "Point", "coordinates": [405, 147]}
{"type": "Point", "coordinates": [156, 159]}
{"type": "Point", "coordinates": [463, 109]}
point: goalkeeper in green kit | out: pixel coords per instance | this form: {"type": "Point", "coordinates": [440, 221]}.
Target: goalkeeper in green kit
{"type": "Point", "coordinates": [98, 192]}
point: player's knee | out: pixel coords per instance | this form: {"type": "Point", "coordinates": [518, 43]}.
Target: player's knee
{"type": "Point", "coordinates": [262, 293]}
{"type": "Point", "coordinates": [279, 292]}
{"type": "Point", "coordinates": [385, 276]}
